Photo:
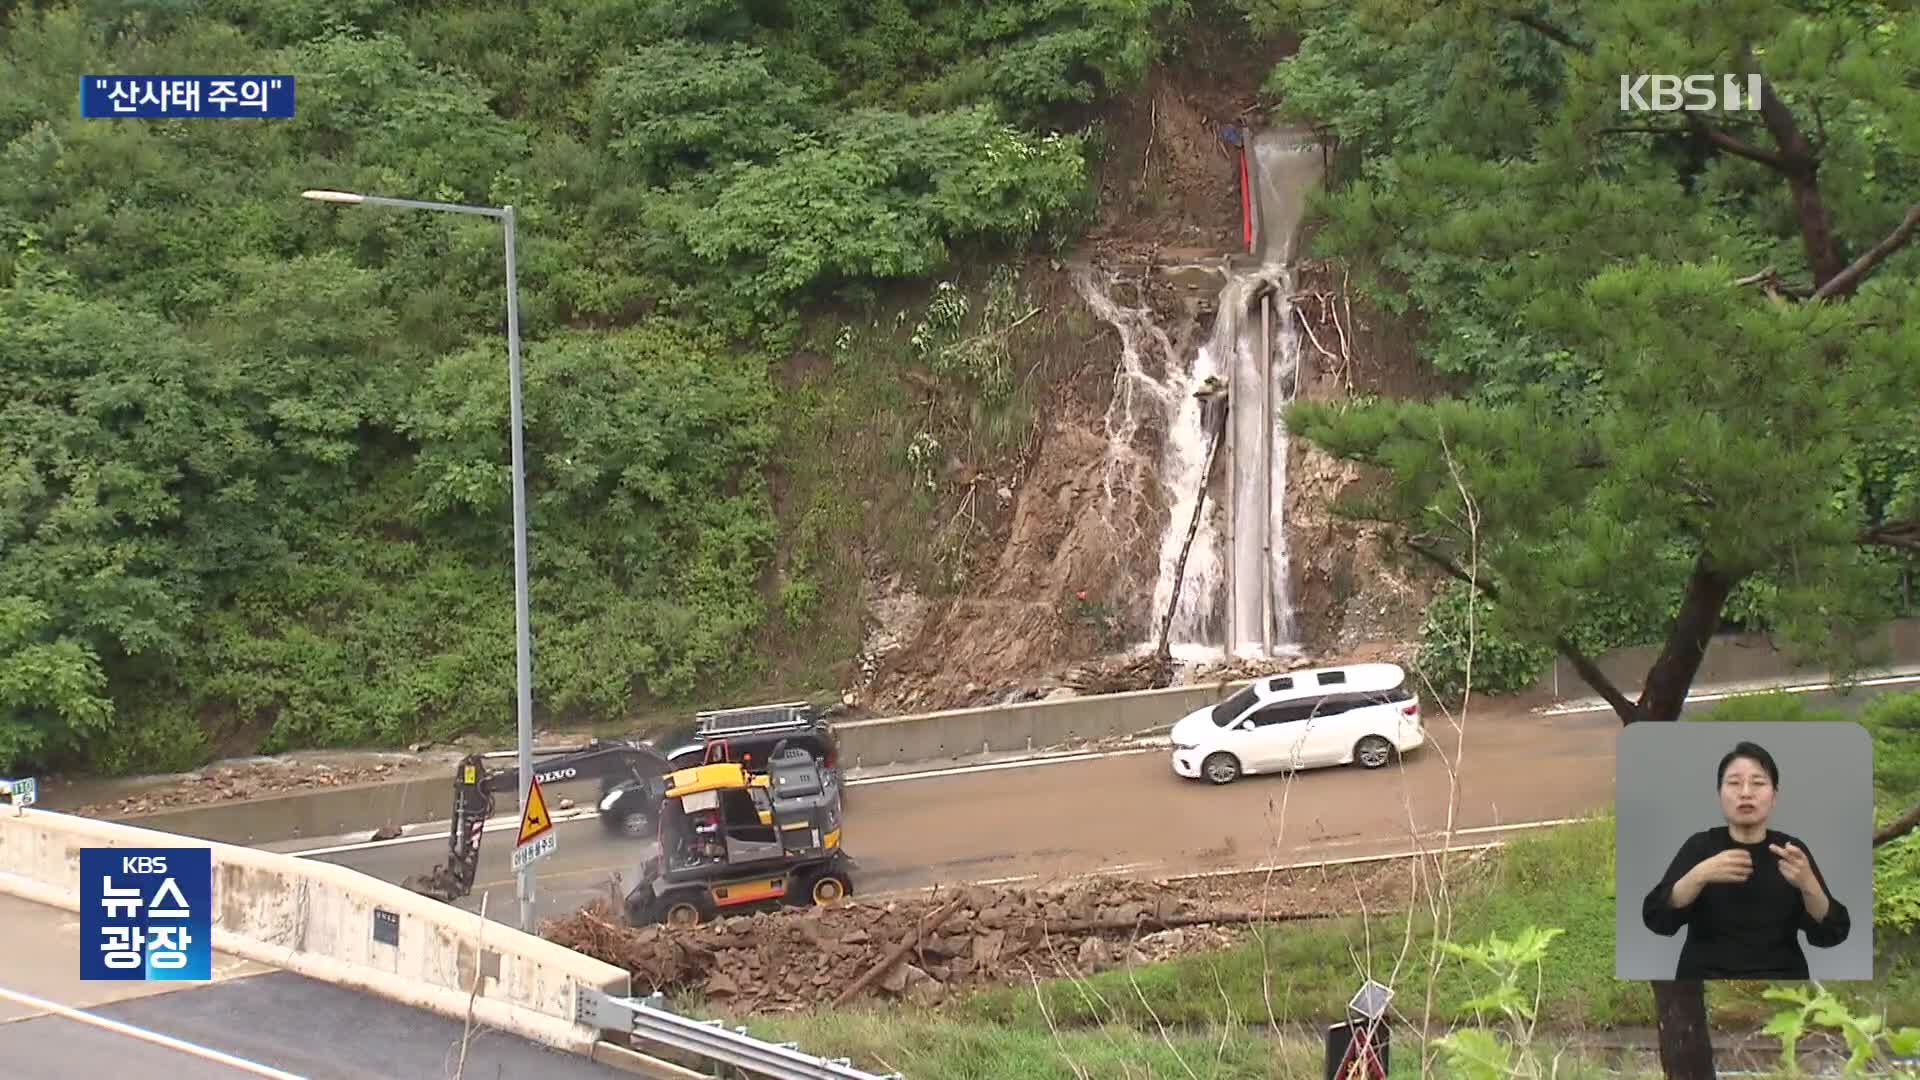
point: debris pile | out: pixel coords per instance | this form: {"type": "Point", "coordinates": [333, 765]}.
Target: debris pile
{"type": "Point", "coordinates": [919, 949]}
{"type": "Point", "coordinates": [254, 779]}
{"type": "Point", "coordinates": [1119, 675]}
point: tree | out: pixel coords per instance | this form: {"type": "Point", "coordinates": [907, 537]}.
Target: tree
{"type": "Point", "coordinates": [1686, 329]}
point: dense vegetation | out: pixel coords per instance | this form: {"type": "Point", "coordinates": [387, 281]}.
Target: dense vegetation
{"type": "Point", "coordinates": [1663, 416]}
{"type": "Point", "coordinates": [1687, 334]}
{"type": "Point", "coordinates": [254, 476]}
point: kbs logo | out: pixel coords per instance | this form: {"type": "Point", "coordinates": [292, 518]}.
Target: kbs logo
{"type": "Point", "coordinates": [146, 913]}
{"type": "Point", "coordinates": [1691, 93]}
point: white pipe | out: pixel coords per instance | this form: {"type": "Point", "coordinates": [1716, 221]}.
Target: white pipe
{"type": "Point", "coordinates": [1233, 464]}
{"type": "Point", "coordinates": [1266, 481]}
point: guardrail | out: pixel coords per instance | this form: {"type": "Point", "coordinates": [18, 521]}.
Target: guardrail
{"type": "Point", "coordinates": [648, 1020]}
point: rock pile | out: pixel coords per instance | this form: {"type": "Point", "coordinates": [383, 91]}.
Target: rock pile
{"type": "Point", "coordinates": [917, 949]}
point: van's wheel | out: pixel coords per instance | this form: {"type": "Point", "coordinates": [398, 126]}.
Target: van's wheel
{"type": "Point", "coordinates": [1221, 768]}
{"type": "Point", "coordinates": [1372, 752]}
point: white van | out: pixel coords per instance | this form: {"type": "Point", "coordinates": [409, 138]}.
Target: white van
{"type": "Point", "coordinates": [1302, 720]}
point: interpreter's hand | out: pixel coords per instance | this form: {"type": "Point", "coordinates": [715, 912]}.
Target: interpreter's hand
{"type": "Point", "coordinates": [1729, 867]}
{"type": "Point", "coordinates": [1794, 865]}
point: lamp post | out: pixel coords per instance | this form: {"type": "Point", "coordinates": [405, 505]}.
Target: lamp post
{"type": "Point", "coordinates": [523, 635]}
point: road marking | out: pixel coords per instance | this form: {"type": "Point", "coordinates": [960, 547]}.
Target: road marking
{"type": "Point", "coordinates": [1140, 747]}
{"type": "Point", "coordinates": [1899, 679]}
{"type": "Point", "coordinates": [168, 1041]}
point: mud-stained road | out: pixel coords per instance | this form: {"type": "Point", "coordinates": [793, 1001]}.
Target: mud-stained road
{"type": "Point", "coordinates": [1126, 811]}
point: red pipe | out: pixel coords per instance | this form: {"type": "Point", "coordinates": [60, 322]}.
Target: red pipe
{"type": "Point", "coordinates": [1246, 205]}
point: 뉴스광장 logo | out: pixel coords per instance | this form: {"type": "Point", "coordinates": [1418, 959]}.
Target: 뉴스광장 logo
{"type": "Point", "coordinates": [185, 96]}
{"type": "Point", "coordinates": [1690, 93]}
{"type": "Point", "coordinates": [145, 913]}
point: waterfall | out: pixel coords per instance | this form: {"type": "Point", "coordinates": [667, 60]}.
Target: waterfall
{"type": "Point", "coordinates": [1235, 582]}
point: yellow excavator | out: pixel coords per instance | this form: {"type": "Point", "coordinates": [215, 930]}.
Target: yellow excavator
{"type": "Point", "coordinates": [732, 840]}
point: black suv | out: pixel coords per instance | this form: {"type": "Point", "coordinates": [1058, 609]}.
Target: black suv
{"type": "Point", "coordinates": [748, 735]}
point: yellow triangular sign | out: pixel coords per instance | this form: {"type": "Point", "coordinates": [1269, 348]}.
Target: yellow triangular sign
{"type": "Point", "coordinates": [534, 820]}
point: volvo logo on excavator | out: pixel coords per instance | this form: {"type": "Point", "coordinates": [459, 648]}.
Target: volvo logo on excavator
{"type": "Point", "coordinates": [556, 775]}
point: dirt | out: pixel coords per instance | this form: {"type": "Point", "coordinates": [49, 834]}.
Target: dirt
{"type": "Point", "coordinates": [1063, 582]}
{"type": "Point", "coordinates": [1353, 585]}
{"type": "Point", "coordinates": [236, 780]}
{"type": "Point", "coordinates": [796, 958]}
{"type": "Point", "coordinates": [239, 779]}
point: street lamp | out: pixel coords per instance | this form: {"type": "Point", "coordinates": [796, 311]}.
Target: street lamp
{"type": "Point", "coordinates": [523, 635]}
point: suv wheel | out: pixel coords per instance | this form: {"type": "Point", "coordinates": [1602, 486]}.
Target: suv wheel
{"type": "Point", "coordinates": [1373, 752]}
{"type": "Point", "coordinates": [1221, 768]}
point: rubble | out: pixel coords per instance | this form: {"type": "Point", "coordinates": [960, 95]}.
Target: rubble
{"type": "Point", "coordinates": [245, 779]}
{"type": "Point", "coordinates": [921, 949]}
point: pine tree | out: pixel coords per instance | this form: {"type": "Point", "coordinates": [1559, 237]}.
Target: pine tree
{"type": "Point", "coordinates": [1689, 334]}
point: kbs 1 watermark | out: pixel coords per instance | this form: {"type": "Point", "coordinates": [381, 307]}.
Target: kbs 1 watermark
{"type": "Point", "coordinates": [1689, 93]}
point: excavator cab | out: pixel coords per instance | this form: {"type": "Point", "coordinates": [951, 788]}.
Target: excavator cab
{"type": "Point", "coordinates": [731, 841]}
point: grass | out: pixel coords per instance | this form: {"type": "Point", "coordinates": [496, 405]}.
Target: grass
{"type": "Point", "coordinates": [1208, 1016]}
{"type": "Point", "coordinates": [931, 1046]}
{"type": "Point", "coordinates": [935, 1046]}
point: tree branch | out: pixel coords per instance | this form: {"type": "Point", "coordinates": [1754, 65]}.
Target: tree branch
{"type": "Point", "coordinates": [1896, 534]}
{"type": "Point", "coordinates": [1847, 280]}
{"type": "Point", "coordinates": [1549, 31]}
{"type": "Point", "coordinates": [1589, 671]}
{"type": "Point", "coordinates": [1898, 827]}
{"type": "Point", "coordinates": [1736, 147]}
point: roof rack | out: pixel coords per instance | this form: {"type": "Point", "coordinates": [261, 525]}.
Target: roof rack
{"type": "Point", "coordinates": [786, 716]}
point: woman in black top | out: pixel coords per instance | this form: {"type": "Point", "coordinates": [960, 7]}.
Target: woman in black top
{"type": "Point", "coordinates": [1744, 891]}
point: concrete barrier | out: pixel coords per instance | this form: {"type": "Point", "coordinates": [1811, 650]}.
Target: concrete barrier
{"type": "Point", "coordinates": [1033, 725]}
{"type": "Point", "coordinates": [961, 733]}
{"type": "Point", "coordinates": [317, 919]}
{"type": "Point", "coordinates": [1731, 659]}
{"type": "Point", "coordinates": [318, 812]}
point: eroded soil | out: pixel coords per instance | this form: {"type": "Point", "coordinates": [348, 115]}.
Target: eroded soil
{"type": "Point", "coordinates": [969, 938]}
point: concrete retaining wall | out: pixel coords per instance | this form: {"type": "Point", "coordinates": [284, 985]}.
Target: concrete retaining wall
{"type": "Point", "coordinates": [323, 812]}
{"type": "Point", "coordinates": [1033, 725]}
{"type": "Point", "coordinates": [1731, 659]}
{"type": "Point", "coordinates": [316, 919]}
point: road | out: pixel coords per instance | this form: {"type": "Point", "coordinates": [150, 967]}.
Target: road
{"type": "Point", "coordinates": [249, 1020]}
{"type": "Point", "coordinates": [1129, 811]}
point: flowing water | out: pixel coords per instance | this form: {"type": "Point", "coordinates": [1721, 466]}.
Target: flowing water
{"type": "Point", "coordinates": [1235, 595]}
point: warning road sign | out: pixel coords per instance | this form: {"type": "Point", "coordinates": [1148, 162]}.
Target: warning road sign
{"type": "Point", "coordinates": [534, 819]}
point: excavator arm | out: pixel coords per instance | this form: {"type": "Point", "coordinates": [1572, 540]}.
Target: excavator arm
{"type": "Point", "coordinates": [611, 762]}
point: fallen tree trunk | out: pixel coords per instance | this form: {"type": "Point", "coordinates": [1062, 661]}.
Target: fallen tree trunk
{"type": "Point", "coordinates": [1898, 827]}
{"type": "Point", "coordinates": [1193, 528]}
{"type": "Point", "coordinates": [899, 951]}
{"type": "Point", "coordinates": [1174, 922]}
